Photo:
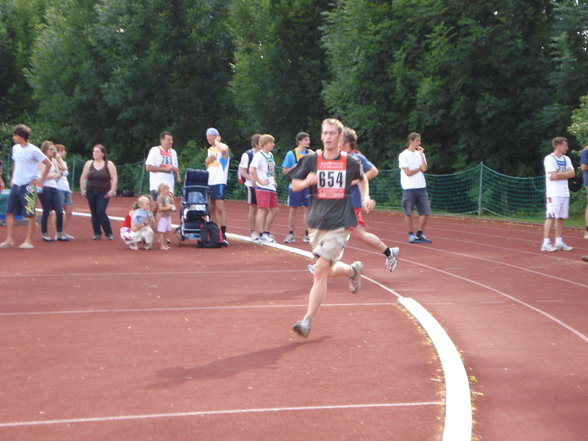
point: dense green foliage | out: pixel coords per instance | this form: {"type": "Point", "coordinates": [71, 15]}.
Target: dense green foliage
{"type": "Point", "coordinates": [484, 80]}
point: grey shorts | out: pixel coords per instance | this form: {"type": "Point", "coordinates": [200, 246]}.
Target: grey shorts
{"type": "Point", "coordinates": [416, 197]}
{"type": "Point", "coordinates": [328, 243]}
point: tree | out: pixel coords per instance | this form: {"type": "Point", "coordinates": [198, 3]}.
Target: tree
{"type": "Point", "coordinates": [279, 66]}
{"type": "Point", "coordinates": [137, 68]}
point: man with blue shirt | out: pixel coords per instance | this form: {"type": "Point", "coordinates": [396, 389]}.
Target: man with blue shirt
{"type": "Point", "coordinates": [584, 165]}
{"type": "Point", "coordinates": [301, 198]}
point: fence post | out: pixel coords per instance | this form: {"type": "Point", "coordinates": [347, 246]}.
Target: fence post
{"type": "Point", "coordinates": [480, 188]}
{"type": "Point", "coordinates": [141, 179]}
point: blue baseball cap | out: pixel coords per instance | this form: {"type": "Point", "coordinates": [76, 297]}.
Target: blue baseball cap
{"type": "Point", "coordinates": [212, 131]}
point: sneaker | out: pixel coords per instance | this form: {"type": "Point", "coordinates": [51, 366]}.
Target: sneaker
{"type": "Point", "coordinates": [302, 327]}
{"type": "Point", "coordinates": [310, 268]}
{"type": "Point", "coordinates": [134, 247]}
{"type": "Point", "coordinates": [266, 238]}
{"type": "Point", "coordinates": [412, 238]}
{"type": "Point", "coordinates": [548, 247]}
{"type": "Point", "coordinates": [306, 238]}
{"type": "Point", "coordinates": [110, 237]}
{"type": "Point", "coordinates": [563, 247]}
{"type": "Point", "coordinates": [63, 237]}
{"type": "Point", "coordinates": [225, 243]}
{"type": "Point", "coordinates": [586, 235]}
{"type": "Point", "coordinates": [47, 238]}
{"type": "Point", "coordinates": [421, 238]}
{"type": "Point", "coordinates": [355, 280]}
{"type": "Point", "coordinates": [69, 236]}
{"type": "Point", "coordinates": [97, 237]}
{"type": "Point", "coordinates": [289, 238]}
{"type": "Point", "coordinates": [254, 235]}
{"type": "Point", "coordinates": [392, 261]}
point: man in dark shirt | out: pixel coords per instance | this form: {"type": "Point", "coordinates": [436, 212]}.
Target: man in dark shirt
{"type": "Point", "coordinates": [329, 173]}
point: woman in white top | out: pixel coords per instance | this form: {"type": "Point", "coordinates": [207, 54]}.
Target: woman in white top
{"type": "Point", "coordinates": [50, 197]}
{"type": "Point", "coordinates": [63, 187]}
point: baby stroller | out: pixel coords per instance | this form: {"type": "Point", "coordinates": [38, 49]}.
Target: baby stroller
{"type": "Point", "coordinates": [195, 205]}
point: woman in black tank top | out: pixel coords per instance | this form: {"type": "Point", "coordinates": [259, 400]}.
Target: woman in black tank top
{"type": "Point", "coordinates": [98, 184]}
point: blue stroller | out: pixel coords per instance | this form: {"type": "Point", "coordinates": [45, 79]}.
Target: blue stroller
{"type": "Point", "coordinates": [195, 205]}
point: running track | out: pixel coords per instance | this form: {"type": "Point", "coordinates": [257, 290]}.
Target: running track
{"type": "Point", "coordinates": [195, 344]}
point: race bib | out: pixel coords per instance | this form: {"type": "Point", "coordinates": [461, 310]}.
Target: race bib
{"type": "Point", "coordinates": [332, 176]}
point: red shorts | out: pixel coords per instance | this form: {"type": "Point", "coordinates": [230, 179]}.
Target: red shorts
{"type": "Point", "coordinates": [360, 220]}
{"type": "Point", "coordinates": [266, 198]}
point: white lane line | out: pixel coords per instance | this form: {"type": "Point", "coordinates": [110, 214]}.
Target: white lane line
{"type": "Point", "coordinates": [215, 412]}
{"type": "Point", "coordinates": [549, 301]}
{"type": "Point", "coordinates": [192, 308]}
{"type": "Point", "coordinates": [458, 408]}
{"type": "Point", "coordinates": [514, 299]}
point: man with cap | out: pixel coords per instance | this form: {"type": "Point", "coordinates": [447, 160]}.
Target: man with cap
{"type": "Point", "coordinates": [217, 164]}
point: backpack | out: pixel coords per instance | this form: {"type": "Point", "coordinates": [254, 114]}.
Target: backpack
{"type": "Point", "coordinates": [250, 155]}
{"type": "Point", "coordinates": [210, 236]}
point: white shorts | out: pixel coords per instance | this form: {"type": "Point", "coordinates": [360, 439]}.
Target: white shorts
{"type": "Point", "coordinates": [558, 207]}
{"type": "Point", "coordinates": [143, 234]}
{"type": "Point", "coordinates": [328, 243]}
{"type": "Point", "coordinates": [164, 224]}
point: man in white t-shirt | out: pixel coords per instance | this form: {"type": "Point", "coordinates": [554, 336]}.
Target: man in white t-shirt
{"type": "Point", "coordinates": [263, 171]}
{"type": "Point", "coordinates": [162, 165]}
{"type": "Point", "coordinates": [217, 164]}
{"type": "Point", "coordinates": [25, 179]}
{"type": "Point", "coordinates": [558, 169]}
{"type": "Point", "coordinates": [247, 179]}
{"type": "Point", "coordinates": [413, 164]}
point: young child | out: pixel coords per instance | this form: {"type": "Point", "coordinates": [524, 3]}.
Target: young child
{"type": "Point", "coordinates": [165, 206]}
{"type": "Point", "coordinates": [141, 223]}
{"type": "Point", "coordinates": [125, 226]}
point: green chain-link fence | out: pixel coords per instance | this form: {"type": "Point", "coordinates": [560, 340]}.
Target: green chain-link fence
{"type": "Point", "coordinates": [479, 190]}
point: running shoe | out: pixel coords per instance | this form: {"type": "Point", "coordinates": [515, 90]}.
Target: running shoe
{"type": "Point", "coordinates": [310, 268]}
{"type": "Point", "coordinates": [254, 235]}
{"type": "Point", "coordinates": [548, 247]}
{"type": "Point", "coordinates": [421, 238]}
{"type": "Point", "coordinates": [355, 280]}
{"type": "Point", "coordinates": [110, 237]}
{"type": "Point", "coordinates": [392, 260]}
{"type": "Point", "coordinates": [563, 247]}
{"type": "Point", "coordinates": [586, 235]}
{"type": "Point", "coordinates": [62, 237]}
{"type": "Point", "coordinates": [306, 238]}
{"type": "Point", "coordinates": [412, 238]}
{"type": "Point", "coordinates": [46, 238]}
{"type": "Point", "coordinates": [97, 237]}
{"type": "Point", "coordinates": [289, 238]}
{"type": "Point", "coordinates": [302, 327]}
{"type": "Point", "coordinates": [266, 238]}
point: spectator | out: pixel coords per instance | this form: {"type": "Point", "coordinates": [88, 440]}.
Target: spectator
{"type": "Point", "coordinates": [584, 166]}
{"type": "Point", "coordinates": [50, 196]}
{"type": "Point", "coordinates": [162, 164]}
{"type": "Point", "coordinates": [165, 206]}
{"type": "Point", "coordinates": [263, 171]}
{"type": "Point", "coordinates": [64, 188]}
{"type": "Point", "coordinates": [142, 223]}
{"type": "Point", "coordinates": [413, 165]}
{"type": "Point", "coordinates": [558, 169]}
{"type": "Point", "coordinates": [25, 179]}
{"type": "Point", "coordinates": [247, 179]}
{"type": "Point", "coordinates": [98, 184]}
{"type": "Point", "coordinates": [217, 164]}
{"type": "Point", "coordinates": [301, 198]}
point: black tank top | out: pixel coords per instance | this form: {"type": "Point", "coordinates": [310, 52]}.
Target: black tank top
{"type": "Point", "coordinates": [98, 180]}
